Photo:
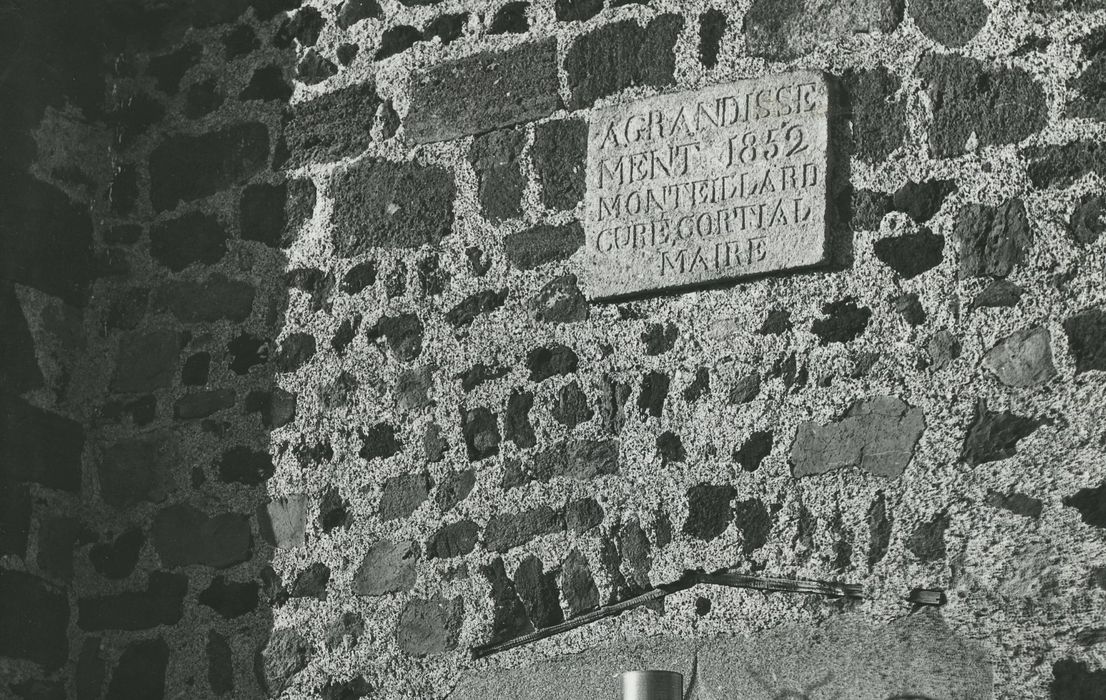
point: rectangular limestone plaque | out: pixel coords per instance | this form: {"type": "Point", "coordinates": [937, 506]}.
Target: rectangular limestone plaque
{"type": "Point", "coordinates": [713, 184]}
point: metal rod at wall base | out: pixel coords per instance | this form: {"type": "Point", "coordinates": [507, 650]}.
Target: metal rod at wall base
{"type": "Point", "coordinates": [651, 685]}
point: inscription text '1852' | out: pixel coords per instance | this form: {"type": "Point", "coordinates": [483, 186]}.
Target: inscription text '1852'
{"type": "Point", "coordinates": [719, 183]}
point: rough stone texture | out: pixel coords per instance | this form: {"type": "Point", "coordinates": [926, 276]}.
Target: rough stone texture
{"type": "Point", "coordinates": [912, 254]}
{"type": "Point", "coordinates": [387, 204]}
{"type": "Point", "coordinates": [36, 615]}
{"type": "Point", "coordinates": [185, 168]}
{"type": "Point", "coordinates": [543, 244]}
{"type": "Point", "coordinates": [387, 567]}
{"type": "Point", "coordinates": [1086, 333]}
{"type": "Point", "coordinates": [993, 240]}
{"type": "Point", "coordinates": [619, 55]}
{"type": "Point", "coordinates": [484, 91]}
{"type": "Point", "coordinates": [505, 532]}
{"type": "Point", "coordinates": [784, 29]}
{"type": "Point", "coordinates": [973, 101]}
{"type": "Point", "coordinates": [877, 116]}
{"type": "Point", "coordinates": [494, 157]}
{"type": "Point", "coordinates": [995, 435]}
{"type": "Point", "coordinates": [1022, 359]}
{"type": "Point", "coordinates": [952, 24]}
{"type": "Point", "coordinates": [878, 435]}
{"type": "Point", "coordinates": [559, 150]}
{"type": "Point", "coordinates": [559, 301]}
{"type": "Point", "coordinates": [184, 535]}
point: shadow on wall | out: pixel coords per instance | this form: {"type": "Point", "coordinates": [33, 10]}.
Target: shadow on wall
{"type": "Point", "coordinates": [142, 293]}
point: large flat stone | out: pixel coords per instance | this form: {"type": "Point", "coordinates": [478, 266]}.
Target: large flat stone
{"type": "Point", "coordinates": [877, 434]}
{"type": "Point", "coordinates": [485, 91]}
{"type": "Point", "coordinates": [917, 656]}
{"type": "Point", "coordinates": [714, 184]}
{"type": "Point", "coordinates": [781, 30]}
{"type": "Point", "coordinates": [587, 676]}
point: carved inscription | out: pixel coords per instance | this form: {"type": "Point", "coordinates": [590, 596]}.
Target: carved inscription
{"type": "Point", "coordinates": [719, 183]}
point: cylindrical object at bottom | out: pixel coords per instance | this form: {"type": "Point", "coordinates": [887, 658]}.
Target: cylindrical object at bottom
{"type": "Point", "coordinates": [652, 685]}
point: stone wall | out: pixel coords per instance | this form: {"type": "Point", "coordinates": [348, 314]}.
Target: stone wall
{"type": "Point", "coordinates": [303, 396]}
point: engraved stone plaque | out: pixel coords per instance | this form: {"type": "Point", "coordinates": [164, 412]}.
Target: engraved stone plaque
{"type": "Point", "coordinates": [713, 184]}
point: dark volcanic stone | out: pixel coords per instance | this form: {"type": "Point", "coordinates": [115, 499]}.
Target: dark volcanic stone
{"type": "Point", "coordinates": [395, 40]}
{"type": "Point", "coordinates": [583, 514]}
{"type": "Point", "coordinates": [402, 495]}
{"type": "Point", "coordinates": [712, 27]}
{"type": "Point", "coordinates": [612, 401]}
{"type": "Point", "coordinates": [272, 213]}
{"type": "Point", "coordinates": [285, 655]}
{"type": "Point", "coordinates": [424, 628]}
{"type": "Point", "coordinates": [698, 386]}
{"type": "Point", "coordinates": [558, 153]}
{"type": "Point", "coordinates": [117, 559]}
{"type": "Point", "coordinates": [220, 663]}
{"type": "Point", "coordinates": [243, 465]}
{"type": "Point", "coordinates": [780, 30]}
{"type": "Point", "coordinates": [184, 535]}
{"type": "Point", "coordinates": [267, 83]}
{"type": "Point", "coordinates": [404, 334]}
{"type": "Point", "coordinates": [475, 304]}
{"type": "Point", "coordinates": [654, 390]}
{"type": "Point", "coordinates": [140, 672]}
{"type": "Point", "coordinates": [388, 567]}
{"type": "Point", "coordinates": [478, 374]}
{"type": "Point", "coordinates": [57, 538]}
{"type": "Point", "coordinates": [36, 616]}
{"type": "Point", "coordinates": [311, 582]}
{"type": "Point", "coordinates": [509, 617]}
{"type": "Point", "coordinates": [509, 530]}
{"type": "Point", "coordinates": [777, 322]}
{"type": "Point", "coordinates": [992, 239]}
{"type": "Point", "coordinates": [379, 442]}
{"type": "Point", "coordinates": [213, 298]}
{"type": "Point", "coordinates": [510, 19]}
{"type": "Point", "coordinates": [192, 238]}
{"type": "Point", "coordinates": [1086, 333]}
{"type": "Point", "coordinates": [999, 293]}
{"type": "Point", "coordinates": [447, 27]}
{"type": "Point", "coordinates": [195, 369]}
{"type": "Point", "coordinates": [277, 407]}
{"type": "Point", "coordinates": [846, 322]}
{"type": "Point", "coordinates": [453, 540]}
{"type": "Point", "coordinates": [499, 182]}
{"type": "Point", "coordinates": [909, 307]}
{"type": "Point", "coordinates": [912, 254]}
{"type": "Point", "coordinates": [1091, 504]}
{"type": "Point", "coordinates": [559, 301]}
{"type": "Point", "coordinates": [185, 168]}
{"type": "Point", "coordinates": [202, 404]}
{"type": "Point", "coordinates": [877, 434]}
{"type": "Point", "coordinates": [1087, 222]}
{"type": "Point", "coordinates": [879, 530]}
{"type": "Point", "coordinates": [232, 599]}
{"type": "Point", "coordinates": [481, 432]}
{"type": "Point", "coordinates": [160, 604]}
{"type": "Point", "coordinates": [744, 390]}
{"type": "Point", "coordinates": [345, 53]}
{"type": "Point", "coordinates": [577, 584]}
{"type": "Point", "coordinates": [543, 244]}
{"type": "Point", "coordinates": [333, 510]}
{"type": "Point", "coordinates": [331, 126]}
{"type": "Point", "coordinates": [484, 91]}
{"type": "Point", "coordinates": [516, 419]}
{"type": "Point", "coordinates": [353, 11]}
{"type": "Point", "coordinates": [1074, 680]}
{"type": "Point", "coordinates": [659, 339]}
{"type": "Point", "coordinates": [670, 448]}
{"type": "Point", "coordinates": [576, 458]}
{"type": "Point", "coordinates": [313, 68]}
{"type": "Point", "coordinates": [1017, 503]}
{"type": "Point", "coordinates": [387, 204]}
{"type": "Point", "coordinates": [550, 361]}
{"type": "Point", "coordinates": [454, 488]}
{"type": "Point", "coordinates": [928, 541]}
{"type": "Point", "coordinates": [15, 519]}
{"type": "Point", "coordinates": [1061, 165]}
{"type": "Point", "coordinates": [619, 55]}
{"type": "Point", "coordinates": [709, 511]}
{"type": "Point", "coordinates": [753, 451]}
{"type": "Point", "coordinates": [877, 116]}
{"type": "Point", "coordinates": [752, 518]}
{"type": "Point", "coordinates": [950, 23]}
{"type": "Point", "coordinates": [538, 591]}
{"type": "Point", "coordinates": [240, 41]}
{"type": "Point", "coordinates": [994, 436]}
{"type": "Point", "coordinates": [576, 10]}
{"type": "Point", "coordinates": [134, 470]}
{"type": "Point", "coordinates": [921, 200]}
{"type": "Point", "coordinates": [19, 369]}
{"type": "Point", "coordinates": [1000, 105]}
{"type": "Point", "coordinates": [294, 351]}
{"type": "Point", "coordinates": [353, 689]}
{"type": "Point", "coordinates": [345, 631]}
{"type": "Point", "coordinates": [358, 277]}
{"type": "Point", "coordinates": [168, 69]}
{"type": "Point", "coordinates": [89, 676]}
{"type": "Point", "coordinates": [571, 407]}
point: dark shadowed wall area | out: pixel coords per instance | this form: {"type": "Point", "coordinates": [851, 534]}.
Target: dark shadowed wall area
{"type": "Point", "coordinates": [303, 396]}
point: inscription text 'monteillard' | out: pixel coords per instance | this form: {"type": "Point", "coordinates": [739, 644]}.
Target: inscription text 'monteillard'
{"type": "Point", "coordinates": [719, 183]}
